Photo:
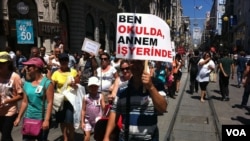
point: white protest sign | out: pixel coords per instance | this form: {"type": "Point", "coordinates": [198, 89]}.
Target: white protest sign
{"type": "Point", "coordinates": [143, 37]}
{"type": "Point", "coordinates": [173, 48]}
{"type": "Point", "coordinates": [90, 46]}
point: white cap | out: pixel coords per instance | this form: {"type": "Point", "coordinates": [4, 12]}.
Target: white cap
{"type": "Point", "coordinates": [93, 81]}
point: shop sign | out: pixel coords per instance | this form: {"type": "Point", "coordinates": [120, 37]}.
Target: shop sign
{"type": "Point", "coordinates": [25, 34]}
{"type": "Point", "coordinates": [22, 8]}
{"type": "Point", "coordinates": [49, 29]}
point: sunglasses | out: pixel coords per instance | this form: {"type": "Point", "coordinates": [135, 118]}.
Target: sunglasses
{"type": "Point", "coordinates": [123, 69]}
{"type": "Point", "coordinates": [104, 59]}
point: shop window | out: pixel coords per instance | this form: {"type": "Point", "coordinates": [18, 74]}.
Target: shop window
{"type": "Point", "coordinates": [90, 27]}
{"type": "Point", "coordinates": [102, 33]}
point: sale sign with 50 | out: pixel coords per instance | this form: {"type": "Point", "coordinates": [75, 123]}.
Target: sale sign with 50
{"type": "Point", "coordinates": [25, 33]}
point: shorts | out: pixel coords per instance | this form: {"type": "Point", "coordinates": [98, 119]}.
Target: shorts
{"type": "Point", "coordinates": [177, 76]}
{"type": "Point", "coordinates": [66, 115]}
{"type": "Point", "coordinates": [203, 86]}
{"type": "Point", "coordinates": [88, 126]}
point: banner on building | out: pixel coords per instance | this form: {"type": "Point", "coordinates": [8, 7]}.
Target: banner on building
{"type": "Point", "coordinates": [25, 34]}
{"type": "Point", "coordinates": [143, 37]}
{"type": "Point", "coordinates": [90, 46]}
{"type": "Point", "coordinates": [196, 33]}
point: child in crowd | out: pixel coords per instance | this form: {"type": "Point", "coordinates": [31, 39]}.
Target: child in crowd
{"type": "Point", "coordinates": [92, 107]}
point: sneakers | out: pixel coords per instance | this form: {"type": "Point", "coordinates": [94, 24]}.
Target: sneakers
{"type": "Point", "coordinates": [225, 99]}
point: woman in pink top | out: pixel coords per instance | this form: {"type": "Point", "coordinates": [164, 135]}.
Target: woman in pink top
{"type": "Point", "coordinates": [10, 93]}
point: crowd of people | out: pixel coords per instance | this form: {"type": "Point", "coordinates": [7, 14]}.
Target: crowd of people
{"type": "Point", "coordinates": [203, 68]}
{"type": "Point", "coordinates": [133, 91]}
{"type": "Point", "coordinates": [106, 80]}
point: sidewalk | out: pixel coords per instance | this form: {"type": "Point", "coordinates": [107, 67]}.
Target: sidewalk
{"type": "Point", "coordinates": [229, 112]}
{"type": "Point", "coordinates": [192, 120]}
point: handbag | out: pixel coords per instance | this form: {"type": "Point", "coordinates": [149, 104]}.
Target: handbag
{"type": "Point", "coordinates": [59, 98]}
{"type": "Point", "coordinates": [33, 127]}
{"type": "Point", "coordinates": [58, 102]}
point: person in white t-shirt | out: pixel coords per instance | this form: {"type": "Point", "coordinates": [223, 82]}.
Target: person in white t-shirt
{"type": "Point", "coordinates": [206, 65]}
{"type": "Point", "coordinates": [106, 73]}
{"type": "Point", "coordinates": [43, 54]}
{"type": "Point", "coordinates": [54, 61]}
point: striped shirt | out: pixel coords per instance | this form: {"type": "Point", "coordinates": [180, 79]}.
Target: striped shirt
{"type": "Point", "coordinates": [143, 115]}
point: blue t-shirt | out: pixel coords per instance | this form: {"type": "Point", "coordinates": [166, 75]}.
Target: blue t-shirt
{"type": "Point", "coordinates": [241, 62]}
{"type": "Point", "coordinates": [35, 95]}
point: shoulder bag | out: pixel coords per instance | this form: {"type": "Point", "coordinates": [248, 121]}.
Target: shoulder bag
{"type": "Point", "coordinates": [58, 100]}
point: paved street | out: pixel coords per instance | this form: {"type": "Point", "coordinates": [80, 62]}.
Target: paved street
{"type": "Point", "coordinates": [187, 118]}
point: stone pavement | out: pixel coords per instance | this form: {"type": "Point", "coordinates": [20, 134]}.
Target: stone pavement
{"type": "Point", "coordinates": [190, 120]}
{"type": "Point", "coordinates": [187, 119]}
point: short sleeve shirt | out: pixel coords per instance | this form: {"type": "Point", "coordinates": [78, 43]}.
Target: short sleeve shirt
{"type": "Point", "coordinates": [35, 95]}
{"type": "Point", "coordinates": [62, 77]}
{"type": "Point", "coordinates": [106, 78]}
{"type": "Point", "coordinates": [8, 89]}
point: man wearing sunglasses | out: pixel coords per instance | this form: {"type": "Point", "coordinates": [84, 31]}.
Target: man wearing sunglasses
{"type": "Point", "coordinates": [139, 104]}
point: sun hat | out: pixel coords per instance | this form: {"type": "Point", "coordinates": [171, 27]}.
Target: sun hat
{"type": "Point", "coordinates": [4, 57]}
{"type": "Point", "coordinates": [93, 81]}
{"type": "Point", "coordinates": [36, 61]}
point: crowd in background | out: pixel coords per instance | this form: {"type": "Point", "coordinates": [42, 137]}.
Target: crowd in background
{"type": "Point", "coordinates": [113, 74]}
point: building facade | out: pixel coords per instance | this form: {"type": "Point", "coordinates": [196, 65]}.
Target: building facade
{"type": "Point", "coordinates": [73, 20]}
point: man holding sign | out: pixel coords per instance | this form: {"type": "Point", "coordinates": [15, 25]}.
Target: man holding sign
{"type": "Point", "coordinates": [140, 102]}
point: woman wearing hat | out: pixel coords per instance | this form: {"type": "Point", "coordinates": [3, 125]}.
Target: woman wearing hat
{"type": "Point", "coordinates": [38, 97]}
{"type": "Point", "coordinates": [66, 116]}
{"type": "Point", "coordinates": [10, 93]}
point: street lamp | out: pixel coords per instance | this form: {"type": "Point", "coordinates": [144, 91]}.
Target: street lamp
{"type": "Point", "coordinates": [168, 22]}
{"type": "Point", "coordinates": [227, 30]}
{"type": "Point", "coordinates": [225, 18]}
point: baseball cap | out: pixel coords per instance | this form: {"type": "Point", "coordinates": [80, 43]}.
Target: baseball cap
{"type": "Point", "coordinates": [4, 57]}
{"type": "Point", "coordinates": [36, 61]}
{"type": "Point", "coordinates": [93, 81]}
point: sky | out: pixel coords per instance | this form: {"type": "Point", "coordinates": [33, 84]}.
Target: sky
{"type": "Point", "coordinates": [196, 10]}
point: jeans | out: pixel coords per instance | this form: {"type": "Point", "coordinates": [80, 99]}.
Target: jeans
{"type": "Point", "coordinates": [224, 82]}
{"type": "Point", "coordinates": [239, 77]}
{"type": "Point", "coordinates": [194, 85]}
{"type": "Point", "coordinates": [245, 95]}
